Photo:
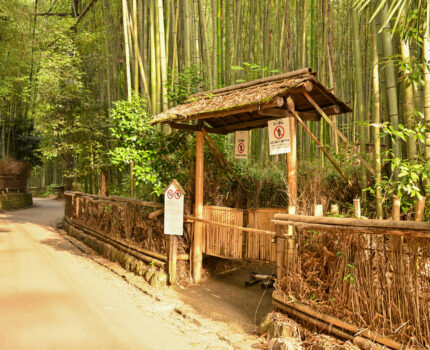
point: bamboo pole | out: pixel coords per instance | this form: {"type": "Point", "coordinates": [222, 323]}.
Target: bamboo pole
{"type": "Point", "coordinates": [280, 252]}
{"type": "Point", "coordinates": [278, 297]}
{"type": "Point", "coordinates": [336, 130]}
{"type": "Point", "coordinates": [290, 241]}
{"type": "Point", "coordinates": [294, 113]}
{"type": "Point", "coordinates": [292, 164]}
{"type": "Point", "coordinates": [126, 47]}
{"type": "Point", "coordinates": [171, 258]}
{"type": "Point", "coordinates": [334, 209]}
{"type": "Point", "coordinates": [241, 228]}
{"type": "Point", "coordinates": [357, 208]}
{"type": "Point", "coordinates": [387, 224]}
{"type": "Point", "coordinates": [420, 209]}
{"type": "Point", "coordinates": [198, 211]}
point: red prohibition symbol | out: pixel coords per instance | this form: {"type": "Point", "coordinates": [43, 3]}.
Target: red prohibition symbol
{"type": "Point", "coordinates": [177, 194]}
{"type": "Point", "coordinates": [241, 147]}
{"type": "Point", "coordinates": [279, 132]}
{"type": "Point", "coordinates": [170, 194]}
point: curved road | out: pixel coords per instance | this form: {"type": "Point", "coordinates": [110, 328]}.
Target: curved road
{"type": "Point", "coordinates": [54, 297]}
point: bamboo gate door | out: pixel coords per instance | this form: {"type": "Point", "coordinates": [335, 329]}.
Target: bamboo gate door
{"type": "Point", "coordinates": [295, 95]}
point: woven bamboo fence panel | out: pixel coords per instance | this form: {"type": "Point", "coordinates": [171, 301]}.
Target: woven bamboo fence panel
{"type": "Point", "coordinates": [221, 241]}
{"type": "Point", "coordinates": [259, 246]}
{"type": "Point", "coordinates": [125, 221]}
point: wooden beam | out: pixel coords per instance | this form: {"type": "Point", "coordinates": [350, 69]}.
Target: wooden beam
{"type": "Point", "coordinates": [194, 128]}
{"type": "Point", "coordinates": [198, 208]}
{"type": "Point", "coordinates": [341, 135]}
{"type": "Point", "coordinates": [59, 14]}
{"type": "Point", "coordinates": [290, 104]}
{"type": "Point", "coordinates": [282, 113]}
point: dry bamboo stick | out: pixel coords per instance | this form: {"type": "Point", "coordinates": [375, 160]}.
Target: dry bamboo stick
{"type": "Point", "coordinates": [336, 130]}
{"type": "Point", "coordinates": [408, 225]}
{"type": "Point", "coordinates": [354, 229]}
{"type": "Point", "coordinates": [309, 132]}
{"type": "Point", "coordinates": [339, 323]}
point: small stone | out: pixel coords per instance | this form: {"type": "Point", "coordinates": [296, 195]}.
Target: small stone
{"type": "Point", "coordinates": [158, 279]}
{"type": "Point", "coordinates": [265, 323]}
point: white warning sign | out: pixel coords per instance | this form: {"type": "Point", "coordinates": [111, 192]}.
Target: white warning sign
{"type": "Point", "coordinates": [279, 136]}
{"type": "Point", "coordinates": [241, 144]}
{"type": "Point", "coordinates": [174, 209]}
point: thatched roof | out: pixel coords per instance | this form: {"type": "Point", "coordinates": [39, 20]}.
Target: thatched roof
{"type": "Point", "coordinates": [250, 105]}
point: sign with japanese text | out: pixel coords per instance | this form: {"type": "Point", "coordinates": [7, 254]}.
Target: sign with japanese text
{"type": "Point", "coordinates": [279, 136]}
{"type": "Point", "coordinates": [174, 209]}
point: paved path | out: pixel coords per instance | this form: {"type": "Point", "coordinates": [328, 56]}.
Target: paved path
{"type": "Point", "coordinates": [53, 297]}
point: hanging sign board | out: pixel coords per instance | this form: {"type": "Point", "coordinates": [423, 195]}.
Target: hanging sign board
{"type": "Point", "coordinates": [241, 144]}
{"type": "Point", "coordinates": [279, 136]}
{"type": "Point", "coordinates": [174, 209]}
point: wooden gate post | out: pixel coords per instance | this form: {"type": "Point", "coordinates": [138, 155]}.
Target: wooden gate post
{"type": "Point", "coordinates": [171, 258]}
{"type": "Point", "coordinates": [292, 159]}
{"type": "Point", "coordinates": [198, 210]}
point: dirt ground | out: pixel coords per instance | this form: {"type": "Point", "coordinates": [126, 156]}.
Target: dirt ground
{"type": "Point", "coordinates": [54, 295]}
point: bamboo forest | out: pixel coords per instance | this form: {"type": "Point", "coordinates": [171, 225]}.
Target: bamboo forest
{"type": "Point", "coordinates": [227, 144]}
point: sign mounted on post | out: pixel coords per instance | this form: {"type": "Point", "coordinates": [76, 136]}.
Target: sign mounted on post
{"type": "Point", "coordinates": [279, 136]}
{"type": "Point", "coordinates": [241, 144]}
{"type": "Point", "coordinates": [174, 209]}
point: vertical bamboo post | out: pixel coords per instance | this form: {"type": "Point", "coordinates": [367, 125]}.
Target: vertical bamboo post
{"type": "Point", "coordinates": [334, 209]}
{"type": "Point", "coordinates": [318, 210]}
{"type": "Point", "coordinates": [172, 256]}
{"type": "Point", "coordinates": [292, 158]}
{"type": "Point", "coordinates": [396, 208]}
{"type": "Point", "coordinates": [397, 248]}
{"type": "Point", "coordinates": [420, 209]}
{"type": "Point", "coordinates": [290, 240]}
{"type": "Point", "coordinates": [280, 251]}
{"type": "Point", "coordinates": [198, 210]}
{"type": "Point", "coordinates": [357, 208]}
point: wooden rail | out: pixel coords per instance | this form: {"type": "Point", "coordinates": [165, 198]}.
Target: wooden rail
{"type": "Point", "coordinates": [242, 228]}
